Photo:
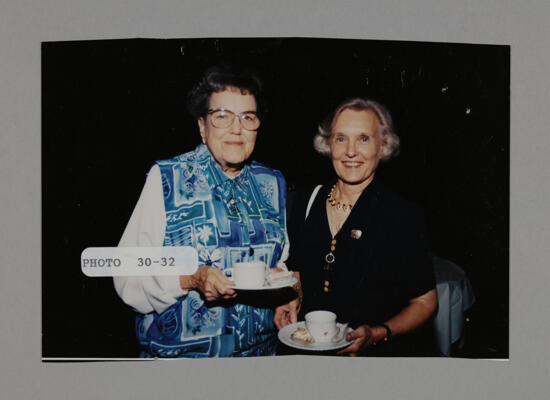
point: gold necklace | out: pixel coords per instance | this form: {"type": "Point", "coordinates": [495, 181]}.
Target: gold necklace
{"type": "Point", "coordinates": [329, 258]}
{"type": "Point", "coordinates": [335, 203]}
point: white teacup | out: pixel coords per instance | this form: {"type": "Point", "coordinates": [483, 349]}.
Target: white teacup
{"type": "Point", "coordinates": [248, 274]}
{"type": "Point", "coordinates": [321, 325]}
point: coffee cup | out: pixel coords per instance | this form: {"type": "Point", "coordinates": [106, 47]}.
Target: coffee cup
{"type": "Point", "coordinates": [249, 274]}
{"type": "Point", "coordinates": [321, 325]}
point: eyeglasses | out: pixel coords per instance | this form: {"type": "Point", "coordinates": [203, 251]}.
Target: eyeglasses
{"type": "Point", "coordinates": [222, 118]}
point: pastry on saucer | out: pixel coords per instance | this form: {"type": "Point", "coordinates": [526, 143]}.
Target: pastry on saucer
{"type": "Point", "coordinates": [302, 335]}
{"type": "Point", "coordinates": [278, 276]}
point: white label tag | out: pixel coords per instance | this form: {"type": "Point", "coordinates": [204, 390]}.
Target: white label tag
{"type": "Point", "coordinates": [139, 261]}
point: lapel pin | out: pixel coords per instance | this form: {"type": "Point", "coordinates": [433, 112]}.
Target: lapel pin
{"type": "Point", "coordinates": [356, 233]}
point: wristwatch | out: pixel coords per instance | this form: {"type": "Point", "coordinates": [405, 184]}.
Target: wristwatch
{"type": "Point", "coordinates": [388, 332]}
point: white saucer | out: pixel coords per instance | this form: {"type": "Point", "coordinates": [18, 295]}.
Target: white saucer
{"type": "Point", "coordinates": [284, 336]}
{"type": "Point", "coordinates": [277, 285]}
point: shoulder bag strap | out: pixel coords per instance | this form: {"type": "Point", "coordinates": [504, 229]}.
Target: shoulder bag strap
{"type": "Point", "coordinates": [312, 198]}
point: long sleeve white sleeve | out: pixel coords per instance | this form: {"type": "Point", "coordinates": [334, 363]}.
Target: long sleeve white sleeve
{"type": "Point", "coordinates": [147, 227]}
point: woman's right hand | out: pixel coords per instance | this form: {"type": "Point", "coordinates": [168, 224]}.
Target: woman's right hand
{"type": "Point", "coordinates": [211, 282]}
{"type": "Point", "coordinates": [286, 314]}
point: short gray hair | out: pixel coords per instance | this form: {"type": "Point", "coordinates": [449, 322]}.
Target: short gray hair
{"type": "Point", "coordinates": [390, 138]}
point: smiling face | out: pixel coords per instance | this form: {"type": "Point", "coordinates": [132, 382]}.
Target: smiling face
{"type": "Point", "coordinates": [356, 146]}
{"type": "Point", "coordinates": [229, 146]}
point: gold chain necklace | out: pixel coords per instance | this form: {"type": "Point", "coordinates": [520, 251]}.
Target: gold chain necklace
{"type": "Point", "coordinates": [329, 258]}
{"type": "Point", "coordinates": [335, 203]}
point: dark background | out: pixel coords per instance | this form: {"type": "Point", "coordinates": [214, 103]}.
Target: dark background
{"type": "Point", "coordinates": [112, 107]}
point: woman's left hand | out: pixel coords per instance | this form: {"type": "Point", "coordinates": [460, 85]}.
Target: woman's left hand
{"type": "Point", "coordinates": [364, 336]}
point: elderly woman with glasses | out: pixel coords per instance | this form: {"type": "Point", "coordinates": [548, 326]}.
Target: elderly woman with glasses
{"type": "Point", "coordinates": [229, 209]}
{"type": "Point", "coordinates": [361, 250]}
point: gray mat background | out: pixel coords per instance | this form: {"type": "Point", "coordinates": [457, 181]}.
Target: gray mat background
{"type": "Point", "coordinates": [26, 23]}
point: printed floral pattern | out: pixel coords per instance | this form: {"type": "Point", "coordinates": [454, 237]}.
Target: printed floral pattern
{"type": "Point", "coordinates": [212, 258]}
{"type": "Point", "coordinates": [267, 191]}
{"type": "Point", "coordinates": [219, 217]}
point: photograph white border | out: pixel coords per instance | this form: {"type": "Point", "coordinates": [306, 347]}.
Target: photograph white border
{"type": "Point", "coordinates": [24, 25]}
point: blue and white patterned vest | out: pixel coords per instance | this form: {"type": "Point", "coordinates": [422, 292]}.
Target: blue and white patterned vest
{"type": "Point", "coordinates": [222, 218]}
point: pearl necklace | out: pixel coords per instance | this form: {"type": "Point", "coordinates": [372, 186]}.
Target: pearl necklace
{"type": "Point", "coordinates": [335, 203]}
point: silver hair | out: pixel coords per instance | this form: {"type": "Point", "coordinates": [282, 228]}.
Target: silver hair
{"type": "Point", "coordinates": [389, 137]}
